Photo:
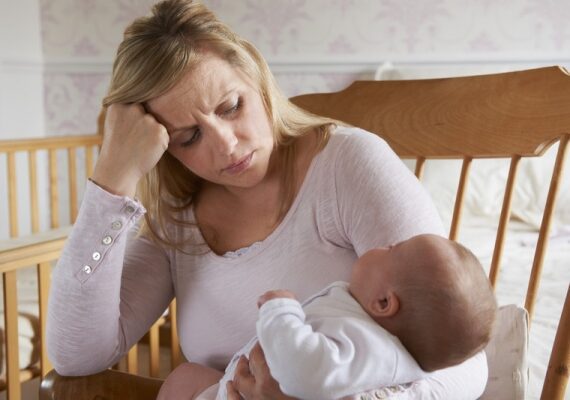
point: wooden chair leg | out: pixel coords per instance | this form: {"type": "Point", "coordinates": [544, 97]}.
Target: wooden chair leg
{"type": "Point", "coordinates": [106, 385]}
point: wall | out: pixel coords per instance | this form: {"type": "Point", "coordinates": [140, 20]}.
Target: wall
{"type": "Point", "coordinates": [21, 91]}
{"type": "Point", "coordinates": [21, 71]}
{"type": "Point", "coordinates": [56, 55]}
{"type": "Point", "coordinates": [311, 45]}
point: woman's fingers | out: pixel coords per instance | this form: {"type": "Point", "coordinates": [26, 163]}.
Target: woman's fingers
{"type": "Point", "coordinates": [133, 143]}
{"type": "Point", "coordinates": [257, 364]}
{"type": "Point", "coordinates": [252, 379]}
{"type": "Point", "coordinates": [232, 393]}
{"type": "Point", "coordinates": [244, 381]}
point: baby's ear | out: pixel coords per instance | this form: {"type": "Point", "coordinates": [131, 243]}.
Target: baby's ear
{"type": "Point", "coordinates": [385, 306]}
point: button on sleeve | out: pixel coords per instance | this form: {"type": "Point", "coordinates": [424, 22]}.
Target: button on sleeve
{"type": "Point", "coordinates": [109, 217]}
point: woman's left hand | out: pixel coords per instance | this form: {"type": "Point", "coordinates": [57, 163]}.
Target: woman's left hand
{"type": "Point", "coordinates": [253, 381]}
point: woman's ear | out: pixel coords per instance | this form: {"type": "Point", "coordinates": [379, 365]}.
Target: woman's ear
{"type": "Point", "coordinates": [385, 306]}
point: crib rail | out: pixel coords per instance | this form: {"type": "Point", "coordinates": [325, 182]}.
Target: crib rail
{"type": "Point", "coordinates": [17, 151]}
{"type": "Point", "coordinates": [54, 168]}
{"type": "Point", "coordinates": [40, 250]}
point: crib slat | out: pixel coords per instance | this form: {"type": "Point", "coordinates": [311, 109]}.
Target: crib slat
{"type": "Point", "coordinates": [458, 208]}
{"type": "Point", "coordinates": [88, 161]}
{"type": "Point", "coordinates": [133, 360]}
{"type": "Point", "coordinates": [504, 220]}
{"type": "Point", "coordinates": [50, 143]}
{"type": "Point", "coordinates": [54, 202]}
{"type": "Point", "coordinates": [11, 328]}
{"type": "Point", "coordinates": [557, 372]}
{"type": "Point", "coordinates": [34, 210]}
{"type": "Point", "coordinates": [420, 164]}
{"type": "Point", "coordinates": [12, 194]}
{"type": "Point", "coordinates": [542, 243]}
{"type": "Point", "coordinates": [72, 174]}
{"type": "Point", "coordinates": [175, 355]}
{"type": "Point", "coordinates": [154, 350]}
{"type": "Point", "coordinates": [43, 271]}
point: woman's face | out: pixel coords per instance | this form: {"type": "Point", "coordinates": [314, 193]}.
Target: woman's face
{"type": "Point", "coordinates": [217, 124]}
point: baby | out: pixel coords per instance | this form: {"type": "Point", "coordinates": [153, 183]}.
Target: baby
{"type": "Point", "coordinates": [421, 305]}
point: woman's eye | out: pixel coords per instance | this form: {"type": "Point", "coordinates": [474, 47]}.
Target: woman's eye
{"type": "Point", "coordinates": [193, 138]}
{"type": "Point", "coordinates": [233, 109]}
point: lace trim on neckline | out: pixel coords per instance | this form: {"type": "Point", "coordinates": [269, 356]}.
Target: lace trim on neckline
{"type": "Point", "coordinates": [240, 252]}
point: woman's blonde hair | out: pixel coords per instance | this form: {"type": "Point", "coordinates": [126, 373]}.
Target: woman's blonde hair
{"type": "Point", "coordinates": [155, 53]}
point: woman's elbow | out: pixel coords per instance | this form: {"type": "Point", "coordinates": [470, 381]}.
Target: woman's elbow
{"type": "Point", "coordinates": [65, 366]}
{"type": "Point", "coordinates": [68, 361]}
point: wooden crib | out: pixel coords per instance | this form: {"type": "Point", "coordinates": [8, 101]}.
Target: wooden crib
{"type": "Point", "coordinates": [513, 115]}
{"type": "Point", "coordinates": [60, 165]}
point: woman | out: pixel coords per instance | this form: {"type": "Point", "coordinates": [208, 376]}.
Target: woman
{"type": "Point", "coordinates": [241, 193]}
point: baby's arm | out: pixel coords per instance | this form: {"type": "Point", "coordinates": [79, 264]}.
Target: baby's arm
{"type": "Point", "coordinates": [306, 363]}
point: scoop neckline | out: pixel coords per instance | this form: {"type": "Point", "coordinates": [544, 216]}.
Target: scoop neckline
{"type": "Point", "coordinates": [261, 245]}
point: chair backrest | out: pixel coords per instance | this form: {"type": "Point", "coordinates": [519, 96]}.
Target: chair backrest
{"type": "Point", "coordinates": [509, 115]}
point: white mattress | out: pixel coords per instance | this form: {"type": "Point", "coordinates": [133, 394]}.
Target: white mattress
{"type": "Point", "coordinates": [513, 282]}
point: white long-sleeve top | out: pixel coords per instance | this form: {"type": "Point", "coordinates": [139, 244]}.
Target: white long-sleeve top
{"type": "Point", "coordinates": [109, 287]}
{"type": "Point", "coordinates": [329, 348]}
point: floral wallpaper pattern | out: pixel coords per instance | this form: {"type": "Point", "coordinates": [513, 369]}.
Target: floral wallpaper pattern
{"type": "Point", "coordinates": [80, 39]}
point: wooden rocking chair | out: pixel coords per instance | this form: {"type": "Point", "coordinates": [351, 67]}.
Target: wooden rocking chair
{"type": "Point", "coordinates": [509, 115]}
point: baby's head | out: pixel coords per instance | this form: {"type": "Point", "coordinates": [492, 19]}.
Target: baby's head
{"type": "Point", "coordinates": [430, 292]}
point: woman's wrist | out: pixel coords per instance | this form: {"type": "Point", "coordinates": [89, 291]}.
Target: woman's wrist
{"type": "Point", "coordinates": [115, 183]}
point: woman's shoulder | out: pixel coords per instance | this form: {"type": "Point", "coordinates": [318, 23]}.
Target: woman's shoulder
{"type": "Point", "coordinates": [350, 144]}
{"type": "Point", "coordinates": [355, 135]}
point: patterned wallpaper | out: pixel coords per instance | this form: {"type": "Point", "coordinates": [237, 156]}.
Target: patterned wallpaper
{"type": "Point", "coordinates": [312, 45]}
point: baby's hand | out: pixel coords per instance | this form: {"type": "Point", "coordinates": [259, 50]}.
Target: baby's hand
{"type": "Point", "coordinates": [274, 294]}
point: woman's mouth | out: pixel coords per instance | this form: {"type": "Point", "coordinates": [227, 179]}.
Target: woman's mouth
{"type": "Point", "coordinates": [239, 166]}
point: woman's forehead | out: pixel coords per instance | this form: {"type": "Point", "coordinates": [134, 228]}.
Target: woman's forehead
{"type": "Point", "coordinates": [204, 81]}
{"type": "Point", "coordinates": [202, 89]}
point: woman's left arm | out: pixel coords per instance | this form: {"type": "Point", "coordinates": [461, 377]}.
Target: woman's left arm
{"type": "Point", "coordinates": [449, 383]}
{"type": "Point", "coordinates": [380, 202]}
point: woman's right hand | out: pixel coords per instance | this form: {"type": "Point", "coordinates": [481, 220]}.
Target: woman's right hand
{"type": "Point", "coordinates": [133, 143]}
{"type": "Point", "coordinates": [253, 381]}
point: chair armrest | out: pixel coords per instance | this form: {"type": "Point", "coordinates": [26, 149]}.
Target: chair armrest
{"type": "Point", "coordinates": [106, 385]}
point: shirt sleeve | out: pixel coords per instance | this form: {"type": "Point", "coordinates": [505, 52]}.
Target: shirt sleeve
{"type": "Point", "coordinates": [336, 359]}
{"type": "Point", "coordinates": [297, 356]}
{"type": "Point", "coordinates": [108, 286]}
{"type": "Point", "coordinates": [465, 381]}
{"type": "Point", "coordinates": [380, 202]}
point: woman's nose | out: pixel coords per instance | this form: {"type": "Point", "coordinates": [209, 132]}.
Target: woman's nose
{"type": "Point", "coordinates": [224, 140]}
